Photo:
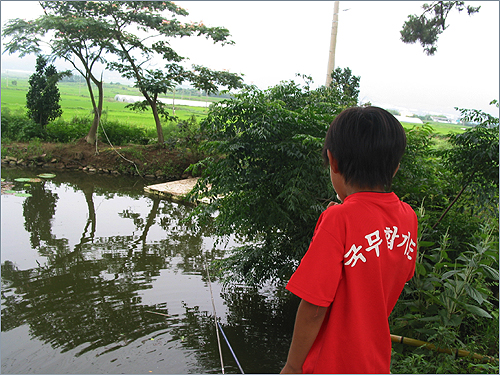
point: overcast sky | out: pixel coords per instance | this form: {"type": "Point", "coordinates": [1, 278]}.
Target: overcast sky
{"type": "Point", "coordinates": [274, 40]}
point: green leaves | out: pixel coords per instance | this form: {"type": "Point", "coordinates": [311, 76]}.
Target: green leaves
{"type": "Point", "coordinates": [42, 99]}
{"type": "Point", "coordinates": [266, 173]}
{"type": "Point", "coordinates": [208, 80]}
{"type": "Point", "coordinates": [427, 27]}
{"type": "Point", "coordinates": [477, 311]}
{"type": "Point", "coordinates": [446, 294]}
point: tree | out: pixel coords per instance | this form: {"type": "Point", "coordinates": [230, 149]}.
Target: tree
{"type": "Point", "coordinates": [86, 30]}
{"type": "Point", "coordinates": [208, 80]}
{"type": "Point", "coordinates": [268, 182]}
{"type": "Point", "coordinates": [154, 83]}
{"type": "Point", "coordinates": [427, 27]}
{"type": "Point", "coordinates": [42, 99]}
{"type": "Point", "coordinates": [133, 51]}
{"type": "Point", "coordinates": [75, 36]}
{"type": "Point", "coordinates": [346, 85]}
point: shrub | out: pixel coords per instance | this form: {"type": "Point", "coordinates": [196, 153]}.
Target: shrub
{"type": "Point", "coordinates": [118, 133]}
{"type": "Point", "coordinates": [184, 134]}
{"type": "Point", "coordinates": [14, 124]}
{"type": "Point", "coordinates": [65, 132]}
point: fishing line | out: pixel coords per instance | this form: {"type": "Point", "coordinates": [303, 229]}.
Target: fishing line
{"type": "Point", "coordinates": [114, 149]}
{"type": "Point", "coordinates": [230, 348]}
{"type": "Point", "coordinates": [215, 319]}
{"type": "Point", "coordinates": [217, 324]}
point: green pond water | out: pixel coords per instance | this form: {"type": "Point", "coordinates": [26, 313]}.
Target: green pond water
{"type": "Point", "coordinates": [87, 261]}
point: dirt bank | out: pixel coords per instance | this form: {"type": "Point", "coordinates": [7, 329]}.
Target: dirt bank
{"type": "Point", "coordinates": [150, 161]}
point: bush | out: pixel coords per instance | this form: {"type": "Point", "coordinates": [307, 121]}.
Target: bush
{"type": "Point", "coordinates": [66, 132]}
{"type": "Point", "coordinates": [452, 303]}
{"type": "Point", "coordinates": [18, 127]}
{"type": "Point", "coordinates": [118, 133]}
{"type": "Point", "coordinates": [184, 134]}
{"type": "Point", "coordinates": [114, 132]}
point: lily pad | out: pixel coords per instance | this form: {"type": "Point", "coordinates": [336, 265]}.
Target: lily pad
{"type": "Point", "coordinates": [47, 175]}
{"type": "Point", "coordinates": [10, 192]}
{"type": "Point", "coordinates": [22, 195]}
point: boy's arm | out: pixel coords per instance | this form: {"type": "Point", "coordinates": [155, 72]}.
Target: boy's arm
{"type": "Point", "coordinates": [307, 324]}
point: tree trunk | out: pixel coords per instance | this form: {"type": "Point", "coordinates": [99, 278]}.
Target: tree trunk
{"type": "Point", "coordinates": [92, 134]}
{"type": "Point", "coordinates": [159, 129]}
{"type": "Point", "coordinates": [154, 108]}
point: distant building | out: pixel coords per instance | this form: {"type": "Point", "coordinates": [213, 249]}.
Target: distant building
{"type": "Point", "coordinates": [442, 119]}
{"type": "Point", "coordinates": [129, 98]}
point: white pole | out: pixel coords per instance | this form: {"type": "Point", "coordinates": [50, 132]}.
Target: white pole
{"type": "Point", "coordinates": [333, 44]}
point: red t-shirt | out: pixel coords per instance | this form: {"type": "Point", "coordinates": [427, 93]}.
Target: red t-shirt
{"type": "Point", "coordinates": [362, 253]}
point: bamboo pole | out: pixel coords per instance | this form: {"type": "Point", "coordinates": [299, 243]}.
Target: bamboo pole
{"type": "Point", "coordinates": [456, 352]}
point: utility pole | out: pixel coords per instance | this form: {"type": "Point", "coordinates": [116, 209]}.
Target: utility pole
{"type": "Point", "coordinates": [333, 43]}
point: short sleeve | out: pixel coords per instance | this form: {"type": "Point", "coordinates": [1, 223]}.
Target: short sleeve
{"type": "Point", "coordinates": [320, 270]}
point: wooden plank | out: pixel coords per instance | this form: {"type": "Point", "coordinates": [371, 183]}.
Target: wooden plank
{"type": "Point", "coordinates": [175, 190]}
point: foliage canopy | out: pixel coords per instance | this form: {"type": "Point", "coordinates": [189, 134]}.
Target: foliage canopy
{"type": "Point", "coordinates": [42, 99]}
{"type": "Point", "coordinates": [427, 27]}
{"type": "Point", "coordinates": [267, 178]}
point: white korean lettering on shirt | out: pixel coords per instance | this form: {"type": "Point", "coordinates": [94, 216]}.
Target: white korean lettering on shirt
{"type": "Point", "coordinates": [410, 244]}
{"type": "Point", "coordinates": [390, 236]}
{"type": "Point", "coordinates": [374, 241]}
{"type": "Point", "coordinates": [355, 256]}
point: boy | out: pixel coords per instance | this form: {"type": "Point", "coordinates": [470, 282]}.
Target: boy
{"type": "Point", "coordinates": [362, 253]}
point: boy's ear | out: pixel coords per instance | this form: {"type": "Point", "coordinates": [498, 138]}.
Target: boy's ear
{"type": "Point", "coordinates": [334, 166]}
{"type": "Point", "coordinates": [396, 171]}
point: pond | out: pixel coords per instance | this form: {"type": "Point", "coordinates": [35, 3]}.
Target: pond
{"type": "Point", "coordinates": [98, 277]}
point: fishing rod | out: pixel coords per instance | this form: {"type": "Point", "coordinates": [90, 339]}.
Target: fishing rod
{"type": "Point", "coordinates": [428, 345]}
{"type": "Point", "coordinates": [218, 325]}
{"type": "Point", "coordinates": [230, 348]}
{"type": "Point", "coordinates": [215, 319]}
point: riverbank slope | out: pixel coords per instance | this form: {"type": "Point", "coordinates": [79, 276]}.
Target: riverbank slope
{"type": "Point", "coordinates": [150, 161]}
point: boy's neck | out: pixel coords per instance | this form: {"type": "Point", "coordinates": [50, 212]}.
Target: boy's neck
{"type": "Point", "coordinates": [351, 189]}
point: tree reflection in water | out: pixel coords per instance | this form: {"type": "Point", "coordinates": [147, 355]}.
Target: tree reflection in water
{"type": "Point", "coordinates": [89, 296]}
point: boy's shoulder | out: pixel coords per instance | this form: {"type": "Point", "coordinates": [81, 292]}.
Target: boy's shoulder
{"type": "Point", "coordinates": [359, 202]}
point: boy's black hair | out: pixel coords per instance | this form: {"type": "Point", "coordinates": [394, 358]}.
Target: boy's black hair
{"type": "Point", "coordinates": [368, 143]}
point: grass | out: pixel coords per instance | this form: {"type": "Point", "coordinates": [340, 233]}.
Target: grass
{"type": "Point", "coordinates": [439, 127]}
{"type": "Point", "coordinates": [75, 101]}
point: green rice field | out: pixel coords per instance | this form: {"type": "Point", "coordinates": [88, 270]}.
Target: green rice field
{"type": "Point", "coordinates": [75, 101]}
{"type": "Point", "coordinates": [440, 127]}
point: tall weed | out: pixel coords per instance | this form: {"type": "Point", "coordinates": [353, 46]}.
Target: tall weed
{"type": "Point", "coordinates": [449, 302]}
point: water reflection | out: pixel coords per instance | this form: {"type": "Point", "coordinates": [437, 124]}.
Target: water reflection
{"type": "Point", "coordinates": [106, 258]}
{"type": "Point", "coordinates": [38, 210]}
